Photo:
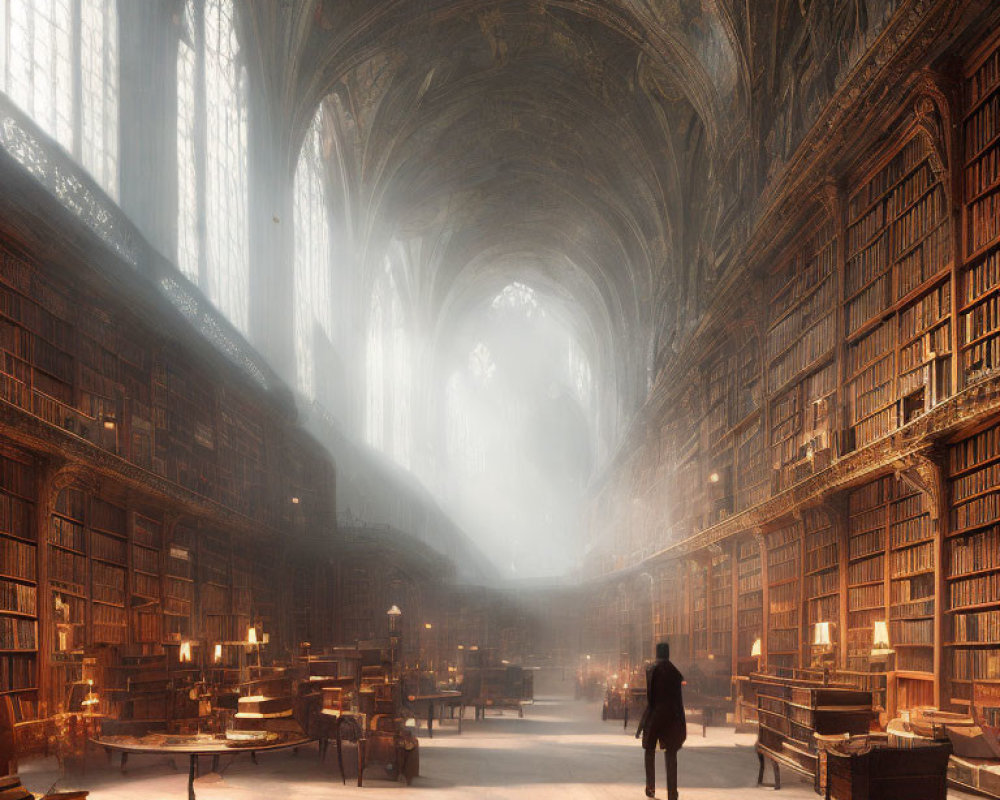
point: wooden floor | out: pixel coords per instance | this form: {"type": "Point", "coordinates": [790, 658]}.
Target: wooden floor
{"type": "Point", "coordinates": [559, 751]}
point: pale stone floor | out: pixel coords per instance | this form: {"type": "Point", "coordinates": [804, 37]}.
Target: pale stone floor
{"type": "Point", "coordinates": [560, 749]}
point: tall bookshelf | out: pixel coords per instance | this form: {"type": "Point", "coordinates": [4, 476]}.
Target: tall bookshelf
{"type": "Point", "coordinates": [178, 584]}
{"type": "Point", "coordinates": [821, 568]}
{"type": "Point", "coordinates": [108, 550]}
{"type": "Point", "coordinates": [973, 548]}
{"type": "Point", "coordinates": [979, 303]}
{"type": "Point", "coordinates": [749, 597]}
{"type": "Point", "coordinates": [898, 293]}
{"type": "Point", "coordinates": [18, 583]}
{"type": "Point", "coordinates": [753, 482]}
{"type": "Point", "coordinates": [784, 570]}
{"type": "Point", "coordinates": [800, 347]}
{"type": "Point", "coordinates": [912, 579]}
{"type": "Point", "coordinates": [215, 587]}
{"type": "Point", "coordinates": [696, 579]}
{"type": "Point", "coordinates": [721, 598]}
{"type": "Point", "coordinates": [866, 568]}
{"type": "Point", "coordinates": [67, 563]}
{"type": "Point", "coordinates": [147, 586]}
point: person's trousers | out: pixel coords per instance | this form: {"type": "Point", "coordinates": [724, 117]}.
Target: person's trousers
{"type": "Point", "coordinates": [670, 760]}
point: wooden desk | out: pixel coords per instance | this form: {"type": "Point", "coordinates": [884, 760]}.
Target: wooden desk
{"type": "Point", "coordinates": [422, 705]}
{"type": "Point", "coordinates": [201, 745]}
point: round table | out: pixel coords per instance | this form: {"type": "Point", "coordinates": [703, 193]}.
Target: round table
{"type": "Point", "coordinates": [202, 745]}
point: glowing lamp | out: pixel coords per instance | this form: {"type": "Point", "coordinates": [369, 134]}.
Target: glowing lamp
{"type": "Point", "coordinates": [184, 654]}
{"type": "Point", "coordinates": [251, 635]}
{"type": "Point", "coordinates": [713, 478]}
{"type": "Point", "coordinates": [755, 649]}
{"type": "Point", "coordinates": [428, 625]}
{"type": "Point", "coordinates": [217, 654]}
{"type": "Point", "coordinates": [880, 637]}
{"type": "Point", "coordinates": [821, 634]}
{"type": "Point", "coordinates": [295, 501]}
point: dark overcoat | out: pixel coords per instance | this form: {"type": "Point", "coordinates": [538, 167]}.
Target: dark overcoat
{"type": "Point", "coordinates": [664, 721]}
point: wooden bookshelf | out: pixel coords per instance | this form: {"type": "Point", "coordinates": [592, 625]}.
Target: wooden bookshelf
{"type": "Point", "coordinates": [801, 372]}
{"type": "Point", "coordinates": [749, 599]}
{"type": "Point", "coordinates": [19, 582]}
{"type": "Point", "coordinates": [721, 619]}
{"type": "Point", "coordinates": [973, 557]}
{"type": "Point", "coordinates": [866, 568]}
{"type": "Point", "coordinates": [784, 576]}
{"type": "Point", "coordinates": [979, 303]}
{"type": "Point", "coordinates": [898, 293]}
{"type": "Point", "coordinates": [696, 586]}
{"type": "Point", "coordinates": [821, 568]}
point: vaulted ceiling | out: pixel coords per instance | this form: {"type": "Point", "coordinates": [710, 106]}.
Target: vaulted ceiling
{"type": "Point", "coordinates": [609, 151]}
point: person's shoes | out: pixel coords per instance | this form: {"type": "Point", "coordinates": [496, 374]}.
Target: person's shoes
{"type": "Point", "coordinates": [650, 793]}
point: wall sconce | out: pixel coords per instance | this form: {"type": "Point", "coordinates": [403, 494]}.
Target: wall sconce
{"type": "Point", "coordinates": [393, 614]}
{"type": "Point", "coordinates": [755, 648]}
{"type": "Point", "coordinates": [251, 635]}
{"type": "Point", "coordinates": [428, 626]}
{"type": "Point", "coordinates": [265, 638]}
{"type": "Point", "coordinates": [184, 654]}
{"type": "Point", "coordinates": [109, 423]}
{"type": "Point", "coordinates": [713, 478]}
{"type": "Point", "coordinates": [217, 654]}
{"type": "Point", "coordinates": [295, 501]}
{"type": "Point", "coordinates": [461, 647]}
{"type": "Point", "coordinates": [474, 647]}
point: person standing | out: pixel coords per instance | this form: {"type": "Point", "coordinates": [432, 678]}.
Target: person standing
{"type": "Point", "coordinates": [663, 721]}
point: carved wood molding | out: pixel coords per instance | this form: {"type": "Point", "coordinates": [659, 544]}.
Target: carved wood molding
{"type": "Point", "coordinates": [924, 471]}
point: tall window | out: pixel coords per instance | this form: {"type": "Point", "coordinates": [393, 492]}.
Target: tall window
{"type": "Point", "coordinates": [389, 370]}
{"type": "Point", "coordinates": [212, 238]}
{"type": "Point", "coordinates": [47, 43]}
{"type": "Point", "coordinates": [313, 297]}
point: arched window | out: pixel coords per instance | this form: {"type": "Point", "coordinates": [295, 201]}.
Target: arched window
{"type": "Point", "coordinates": [388, 369]}
{"type": "Point", "coordinates": [313, 296]}
{"type": "Point", "coordinates": [44, 44]}
{"type": "Point", "coordinates": [212, 233]}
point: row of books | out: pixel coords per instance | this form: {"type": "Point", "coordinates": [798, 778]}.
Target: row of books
{"type": "Point", "coordinates": [871, 391]}
{"type": "Point", "coordinates": [907, 506]}
{"type": "Point", "coordinates": [107, 517]}
{"type": "Point", "coordinates": [146, 532]}
{"type": "Point", "coordinates": [17, 672]}
{"type": "Point", "coordinates": [983, 174]}
{"type": "Point", "coordinates": [982, 447]}
{"type": "Point", "coordinates": [822, 583]}
{"type": "Point", "coordinates": [912, 559]}
{"type": "Point", "coordinates": [983, 216]}
{"type": "Point", "coordinates": [824, 557]}
{"type": "Point", "coordinates": [783, 598]}
{"type": "Point", "coordinates": [145, 585]}
{"type": "Point", "coordinates": [860, 598]}
{"type": "Point", "coordinates": [872, 347]}
{"type": "Point", "coordinates": [67, 533]}
{"type": "Point", "coordinates": [890, 206]}
{"type": "Point", "coordinates": [911, 587]}
{"type": "Point", "coordinates": [866, 571]}
{"type": "Point", "coordinates": [985, 79]}
{"type": "Point", "coordinates": [975, 591]}
{"type": "Point", "coordinates": [107, 583]}
{"type": "Point", "coordinates": [982, 318]}
{"type": "Point", "coordinates": [871, 542]}
{"type": "Point", "coordinates": [146, 627]}
{"type": "Point", "coordinates": [912, 530]}
{"type": "Point", "coordinates": [981, 277]}
{"type": "Point", "coordinates": [68, 568]}
{"type": "Point", "coordinates": [913, 608]}
{"type": "Point", "coordinates": [16, 517]}
{"type": "Point", "coordinates": [814, 343]}
{"type": "Point", "coordinates": [913, 153]}
{"type": "Point", "coordinates": [807, 267]}
{"type": "Point", "coordinates": [975, 482]}
{"type": "Point", "coordinates": [19, 597]}
{"type": "Point", "coordinates": [923, 219]}
{"type": "Point", "coordinates": [783, 570]}
{"type": "Point", "coordinates": [876, 426]}
{"type": "Point", "coordinates": [871, 495]}
{"type": "Point", "coordinates": [981, 359]}
{"type": "Point", "coordinates": [823, 609]}
{"type": "Point", "coordinates": [980, 510]}
{"type": "Point", "coordinates": [17, 559]}
{"type": "Point", "coordinates": [17, 633]}
{"type": "Point", "coordinates": [104, 614]}
{"type": "Point", "coordinates": [975, 665]}
{"type": "Point", "coordinates": [911, 631]}
{"type": "Point", "coordinates": [782, 639]}
{"type": "Point", "coordinates": [931, 256]}
{"type": "Point", "coordinates": [816, 305]}
{"type": "Point", "coordinates": [925, 312]}
{"type": "Point", "coordinates": [980, 551]}
{"type": "Point", "coordinates": [980, 626]}
{"type": "Point", "coordinates": [982, 127]}
{"type": "Point", "coordinates": [108, 548]}
{"type": "Point", "coordinates": [869, 271]}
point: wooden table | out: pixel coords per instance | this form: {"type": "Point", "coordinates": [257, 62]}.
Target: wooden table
{"type": "Point", "coordinates": [203, 745]}
{"type": "Point", "coordinates": [425, 703]}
